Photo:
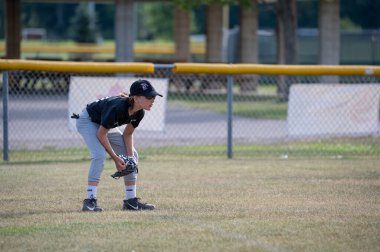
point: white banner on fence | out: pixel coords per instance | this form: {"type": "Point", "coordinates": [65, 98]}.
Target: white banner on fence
{"type": "Point", "coordinates": [333, 110]}
{"type": "Point", "coordinates": [84, 90]}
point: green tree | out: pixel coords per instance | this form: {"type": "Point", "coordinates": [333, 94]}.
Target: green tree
{"type": "Point", "coordinates": [155, 21]}
{"type": "Point", "coordinates": [364, 13]}
{"type": "Point", "coordinates": [106, 19]}
{"type": "Point", "coordinates": [83, 25]}
{"type": "Point", "coordinates": [33, 21]}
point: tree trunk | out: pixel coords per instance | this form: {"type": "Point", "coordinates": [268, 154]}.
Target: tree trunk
{"type": "Point", "coordinates": [286, 41]}
{"type": "Point", "coordinates": [248, 33]}
{"type": "Point", "coordinates": [13, 29]}
{"type": "Point", "coordinates": [182, 35]}
{"type": "Point", "coordinates": [280, 38]}
{"type": "Point", "coordinates": [214, 41]}
{"type": "Point", "coordinates": [124, 30]}
{"type": "Point", "coordinates": [329, 35]}
{"type": "Point", "coordinates": [290, 31]}
{"type": "Point", "coordinates": [214, 34]}
{"type": "Point", "coordinates": [248, 44]}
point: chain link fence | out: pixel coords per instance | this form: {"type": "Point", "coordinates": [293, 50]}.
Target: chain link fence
{"type": "Point", "coordinates": [270, 116]}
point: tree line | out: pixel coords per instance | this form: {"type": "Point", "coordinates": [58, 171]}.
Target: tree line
{"type": "Point", "coordinates": [154, 19]}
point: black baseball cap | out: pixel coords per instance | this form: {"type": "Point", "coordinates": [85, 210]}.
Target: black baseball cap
{"type": "Point", "coordinates": [143, 88]}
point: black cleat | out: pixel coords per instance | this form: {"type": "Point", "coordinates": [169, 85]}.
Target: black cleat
{"type": "Point", "coordinates": [89, 205]}
{"type": "Point", "coordinates": [135, 205]}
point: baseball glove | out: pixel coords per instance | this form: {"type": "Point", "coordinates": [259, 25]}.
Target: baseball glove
{"type": "Point", "coordinates": [130, 167]}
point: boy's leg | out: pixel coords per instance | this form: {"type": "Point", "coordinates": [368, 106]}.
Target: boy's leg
{"type": "Point", "coordinates": [131, 202]}
{"type": "Point", "coordinates": [88, 131]}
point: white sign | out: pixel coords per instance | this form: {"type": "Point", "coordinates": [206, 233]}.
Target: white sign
{"type": "Point", "coordinates": [84, 90]}
{"type": "Point", "coordinates": [333, 110]}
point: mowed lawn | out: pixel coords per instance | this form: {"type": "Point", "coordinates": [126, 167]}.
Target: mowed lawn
{"type": "Point", "coordinates": [202, 205]}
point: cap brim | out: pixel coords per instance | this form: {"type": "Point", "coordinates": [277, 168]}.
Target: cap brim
{"type": "Point", "coordinates": [153, 93]}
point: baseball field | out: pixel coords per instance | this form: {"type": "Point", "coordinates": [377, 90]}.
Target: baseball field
{"type": "Point", "coordinates": [206, 204]}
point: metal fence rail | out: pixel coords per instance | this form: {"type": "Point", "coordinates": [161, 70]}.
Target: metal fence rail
{"type": "Point", "coordinates": [235, 114]}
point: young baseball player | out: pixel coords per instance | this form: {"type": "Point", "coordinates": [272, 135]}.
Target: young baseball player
{"type": "Point", "coordinates": [94, 124]}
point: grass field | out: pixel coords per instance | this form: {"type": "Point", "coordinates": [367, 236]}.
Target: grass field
{"type": "Point", "coordinates": [265, 105]}
{"type": "Point", "coordinates": [204, 205]}
{"type": "Point", "coordinates": [338, 148]}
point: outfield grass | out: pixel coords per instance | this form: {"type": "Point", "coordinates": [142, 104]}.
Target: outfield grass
{"type": "Point", "coordinates": [264, 105]}
{"type": "Point", "coordinates": [339, 148]}
{"type": "Point", "coordinates": [342, 148]}
{"type": "Point", "coordinates": [249, 109]}
{"type": "Point", "coordinates": [205, 205]}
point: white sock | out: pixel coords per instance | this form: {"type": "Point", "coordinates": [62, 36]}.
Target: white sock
{"type": "Point", "coordinates": [130, 192]}
{"type": "Point", "coordinates": [91, 192]}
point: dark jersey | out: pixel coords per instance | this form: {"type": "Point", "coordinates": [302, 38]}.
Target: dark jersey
{"type": "Point", "coordinates": [111, 112]}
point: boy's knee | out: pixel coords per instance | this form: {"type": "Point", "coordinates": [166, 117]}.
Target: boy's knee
{"type": "Point", "coordinates": [131, 177]}
{"type": "Point", "coordinates": [97, 164]}
{"type": "Point", "coordinates": [98, 156]}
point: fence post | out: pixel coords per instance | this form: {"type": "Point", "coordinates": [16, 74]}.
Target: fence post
{"type": "Point", "coordinates": [5, 116]}
{"type": "Point", "coordinates": [230, 94]}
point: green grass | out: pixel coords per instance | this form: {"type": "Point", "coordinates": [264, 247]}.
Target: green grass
{"type": "Point", "coordinates": [249, 109]}
{"type": "Point", "coordinates": [47, 155]}
{"type": "Point", "coordinates": [344, 148]}
{"type": "Point", "coordinates": [341, 149]}
{"type": "Point", "coordinates": [262, 110]}
{"type": "Point", "coordinates": [265, 105]}
{"type": "Point", "coordinates": [202, 205]}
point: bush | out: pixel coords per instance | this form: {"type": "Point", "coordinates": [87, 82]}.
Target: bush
{"type": "Point", "coordinates": [83, 25]}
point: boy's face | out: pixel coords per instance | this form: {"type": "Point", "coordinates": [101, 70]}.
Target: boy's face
{"type": "Point", "coordinates": [145, 102]}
